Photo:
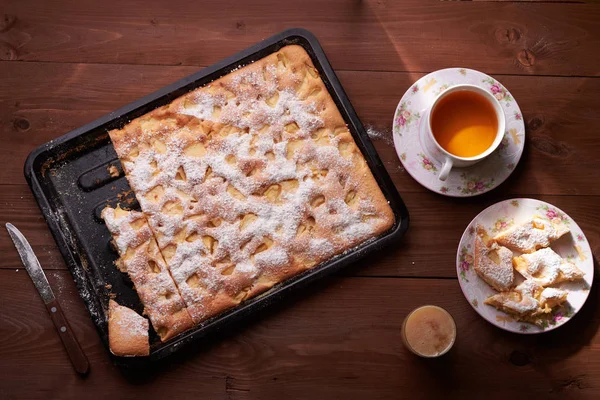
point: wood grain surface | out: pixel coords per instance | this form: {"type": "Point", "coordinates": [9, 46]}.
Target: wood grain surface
{"type": "Point", "coordinates": [558, 113]}
{"type": "Point", "coordinates": [408, 35]}
{"type": "Point", "coordinates": [436, 223]}
{"type": "Point", "coordinates": [65, 63]}
{"type": "Point", "coordinates": [340, 339]}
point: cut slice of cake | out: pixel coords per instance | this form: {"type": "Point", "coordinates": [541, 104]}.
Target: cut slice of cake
{"type": "Point", "coordinates": [528, 302]}
{"type": "Point", "coordinates": [143, 262]}
{"type": "Point", "coordinates": [534, 233]}
{"type": "Point", "coordinates": [521, 301]}
{"type": "Point", "coordinates": [127, 331]}
{"type": "Point", "coordinates": [493, 264]}
{"type": "Point", "coordinates": [545, 267]}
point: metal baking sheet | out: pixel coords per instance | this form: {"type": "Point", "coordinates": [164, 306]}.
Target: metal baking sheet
{"type": "Point", "coordinates": [71, 182]}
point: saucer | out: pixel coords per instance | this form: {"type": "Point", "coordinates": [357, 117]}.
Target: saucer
{"type": "Point", "coordinates": [573, 246]}
{"type": "Point", "coordinates": [423, 162]}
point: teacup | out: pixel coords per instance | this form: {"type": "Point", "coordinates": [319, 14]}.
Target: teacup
{"type": "Point", "coordinates": [450, 159]}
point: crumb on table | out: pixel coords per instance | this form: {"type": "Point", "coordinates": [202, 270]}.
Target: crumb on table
{"type": "Point", "coordinates": [113, 171]}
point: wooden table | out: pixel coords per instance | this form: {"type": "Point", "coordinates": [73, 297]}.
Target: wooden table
{"type": "Point", "coordinates": [63, 64]}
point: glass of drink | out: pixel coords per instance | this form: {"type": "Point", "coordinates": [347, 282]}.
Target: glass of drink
{"type": "Point", "coordinates": [429, 331]}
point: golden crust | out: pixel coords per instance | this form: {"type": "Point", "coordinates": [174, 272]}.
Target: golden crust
{"type": "Point", "coordinates": [141, 259]}
{"type": "Point", "coordinates": [531, 235]}
{"type": "Point", "coordinates": [127, 331]}
{"type": "Point", "coordinates": [250, 180]}
{"type": "Point", "coordinates": [546, 267]}
{"type": "Point", "coordinates": [494, 265]}
{"type": "Point", "coordinates": [528, 302]}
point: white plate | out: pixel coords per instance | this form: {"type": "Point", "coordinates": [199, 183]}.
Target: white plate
{"type": "Point", "coordinates": [423, 163]}
{"type": "Point", "coordinates": [573, 246]}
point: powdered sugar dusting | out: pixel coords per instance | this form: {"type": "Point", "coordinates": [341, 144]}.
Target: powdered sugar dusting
{"type": "Point", "coordinates": [498, 275]}
{"type": "Point", "coordinates": [255, 178]}
{"type": "Point", "coordinates": [374, 135]}
{"type": "Point", "coordinates": [131, 322]}
{"type": "Point", "coordinates": [320, 247]}
{"type": "Point", "coordinates": [545, 267]}
{"type": "Point", "coordinates": [145, 266]}
{"type": "Point", "coordinates": [553, 293]}
{"type": "Point", "coordinates": [530, 235]}
{"type": "Point", "coordinates": [125, 236]}
{"type": "Point", "coordinates": [274, 257]}
{"type": "Point", "coordinates": [522, 304]}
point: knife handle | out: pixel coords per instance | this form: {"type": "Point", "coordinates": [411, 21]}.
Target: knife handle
{"type": "Point", "coordinates": [78, 359]}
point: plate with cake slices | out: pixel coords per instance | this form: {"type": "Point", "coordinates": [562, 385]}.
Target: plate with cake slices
{"type": "Point", "coordinates": [525, 266]}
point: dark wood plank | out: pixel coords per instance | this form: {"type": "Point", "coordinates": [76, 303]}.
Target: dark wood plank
{"type": "Point", "coordinates": [534, 1]}
{"type": "Point", "coordinates": [560, 134]}
{"type": "Point", "coordinates": [39, 102]}
{"type": "Point", "coordinates": [18, 207]}
{"type": "Point", "coordinates": [436, 223]}
{"type": "Point", "coordinates": [340, 339]}
{"type": "Point", "coordinates": [410, 35]}
{"type": "Point", "coordinates": [34, 364]}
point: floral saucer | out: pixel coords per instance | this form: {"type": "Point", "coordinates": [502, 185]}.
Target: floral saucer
{"type": "Point", "coordinates": [573, 246]}
{"type": "Point", "coordinates": [423, 162]}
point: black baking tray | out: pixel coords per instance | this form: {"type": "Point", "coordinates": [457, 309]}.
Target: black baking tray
{"type": "Point", "coordinates": [71, 182]}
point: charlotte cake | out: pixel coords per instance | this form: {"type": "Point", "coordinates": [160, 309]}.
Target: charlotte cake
{"type": "Point", "coordinates": [250, 180]}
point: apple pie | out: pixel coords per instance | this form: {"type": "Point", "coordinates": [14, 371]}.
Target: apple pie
{"type": "Point", "coordinates": [127, 331]}
{"type": "Point", "coordinates": [533, 234]}
{"type": "Point", "coordinates": [545, 267]}
{"type": "Point", "coordinates": [528, 302]}
{"type": "Point", "coordinates": [142, 261]}
{"type": "Point", "coordinates": [250, 180]}
{"type": "Point", "coordinates": [493, 264]}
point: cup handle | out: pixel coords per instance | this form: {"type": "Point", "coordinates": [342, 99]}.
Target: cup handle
{"type": "Point", "coordinates": [445, 169]}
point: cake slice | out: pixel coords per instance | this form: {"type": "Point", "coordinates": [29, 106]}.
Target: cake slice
{"type": "Point", "coordinates": [546, 268]}
{"type": "Point", "coordinates": [535, 233]}
{"type": "Point", "coordinates": [520, 302]}
{"type": "Point", "coordinates": [142, 260]}
{"type": "Point", "coordinates": [528, 302]}
{"type": "Point", "coordinates": [493, 264]}
{"type": "Point", "coordinates": [127, 331]}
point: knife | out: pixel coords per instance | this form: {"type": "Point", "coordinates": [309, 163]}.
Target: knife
{"type": "Point", "coordinates": [34, 269]}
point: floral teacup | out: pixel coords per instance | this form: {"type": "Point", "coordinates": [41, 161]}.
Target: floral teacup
{"type": "Point", "coordinates": [451, 160]}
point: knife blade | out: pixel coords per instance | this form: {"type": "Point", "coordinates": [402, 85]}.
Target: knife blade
{"type": "Point", "coordinates": [36, 273]}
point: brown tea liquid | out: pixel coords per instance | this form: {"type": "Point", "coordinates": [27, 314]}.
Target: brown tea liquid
{"type": "Point", "coordinates": [464, 123]}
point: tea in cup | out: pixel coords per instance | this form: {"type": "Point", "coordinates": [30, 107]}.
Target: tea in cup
{"type": "Point", "coordinates": [466, 124]}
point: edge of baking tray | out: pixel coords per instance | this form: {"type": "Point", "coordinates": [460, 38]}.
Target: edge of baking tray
{"type": "Point", "coordinates": [218, 322]}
